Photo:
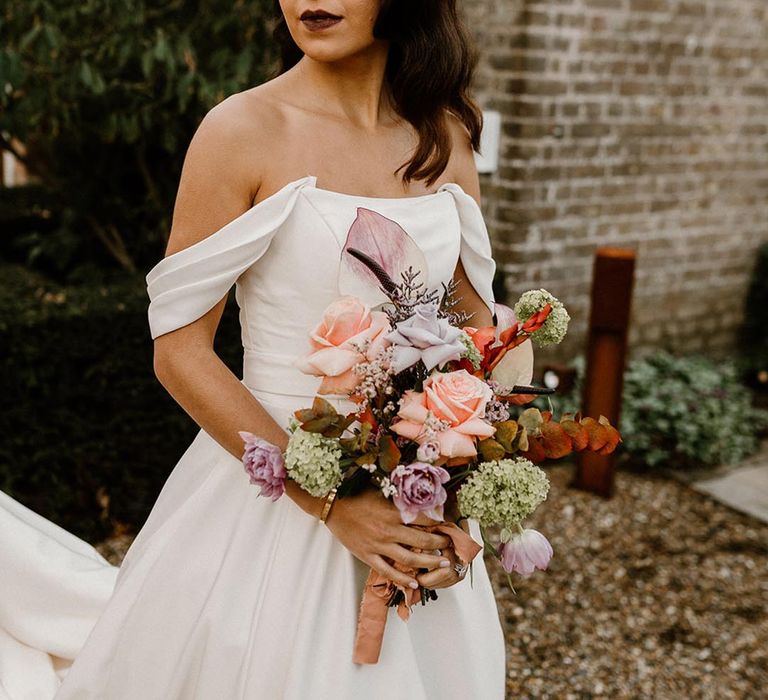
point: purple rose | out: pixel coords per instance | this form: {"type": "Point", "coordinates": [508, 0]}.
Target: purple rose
{"type": "Point", "coordinates": [424, 337]}
{"type": "Point", "coordinates": [264, 464]}
{"type": "Point", "coordinates": [525, 552]}
{"type": "Point", "coordinates": [419, 490]}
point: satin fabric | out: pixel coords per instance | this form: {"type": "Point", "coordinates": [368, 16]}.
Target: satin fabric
{"type": "Point", "coordinates": [224, 594]}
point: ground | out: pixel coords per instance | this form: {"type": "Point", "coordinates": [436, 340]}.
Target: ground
{"type": "Point", "coordinates": [658, 593]}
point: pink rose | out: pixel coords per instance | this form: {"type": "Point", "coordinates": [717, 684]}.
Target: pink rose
{"type": "Point", "coordinates": [459, 399]}
{"type": "Point", "coordinates": [264, 464]}
{"type": "Point", "coordinates": [349, 333]}
{"type": "Point", "coordinates": [525, 552]}
{"type": "Point", "coordinates": [419, 490]}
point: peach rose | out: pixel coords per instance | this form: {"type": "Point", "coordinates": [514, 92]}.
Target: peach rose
{"type": "Point", "coordinates": [348, 326]}
{"type": "Point", "coordinates": [458, 398]}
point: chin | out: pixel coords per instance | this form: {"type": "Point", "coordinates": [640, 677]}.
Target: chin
{"type": "Point", "coordinates": [326, 51]}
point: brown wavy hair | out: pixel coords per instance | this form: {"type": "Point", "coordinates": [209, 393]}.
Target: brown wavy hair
{"type": "Point", "coordinates": [430, 66]}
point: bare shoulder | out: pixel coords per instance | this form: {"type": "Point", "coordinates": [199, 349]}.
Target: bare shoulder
{"type": "Point", "coordinates": [223, 166]}
{"type": "Point", "coordinates": [462, 163]}
{"type": "Point", "coordinates": [241, 131]}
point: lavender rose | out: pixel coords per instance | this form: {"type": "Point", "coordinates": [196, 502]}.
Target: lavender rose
{"type": "Point", "coordinates": [264, 464]}
{"type": "Point", "coordinates": [423, 336]}
{"type": "Point", "coordinates": [419, 490]}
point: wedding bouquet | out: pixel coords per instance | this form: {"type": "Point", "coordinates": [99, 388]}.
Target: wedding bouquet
{"type": "Point", "coordinates": [431, 424]}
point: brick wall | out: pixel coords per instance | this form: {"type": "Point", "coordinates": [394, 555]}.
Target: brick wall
{"type": "Point", "coordinates": [635, 123]}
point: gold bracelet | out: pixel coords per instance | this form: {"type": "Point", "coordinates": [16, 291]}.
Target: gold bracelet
{"type": "Point", "coordinates": [329, 499]}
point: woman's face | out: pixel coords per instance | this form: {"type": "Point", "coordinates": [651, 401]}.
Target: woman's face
{"type": "Point", "coordinates": [348, 32]}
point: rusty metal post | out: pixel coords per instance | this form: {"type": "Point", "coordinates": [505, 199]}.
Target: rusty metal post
{"type": "Point", "coordinates": [611, 298]}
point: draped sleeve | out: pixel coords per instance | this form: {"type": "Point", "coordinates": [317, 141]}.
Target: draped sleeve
{"type": "Point", "coordinates": [476, 255]}
{"type": "Point", "coordinates": [187, 284]}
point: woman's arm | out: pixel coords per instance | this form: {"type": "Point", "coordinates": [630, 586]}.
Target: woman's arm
{"type": "Point", "coordinates": [213, 190]}
{"type": "Point", "coordinates": [215, 187]}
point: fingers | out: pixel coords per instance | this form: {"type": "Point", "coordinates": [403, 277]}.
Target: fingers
{"type": "Point", "coordinates": [414, 537]}
{"type": "Point", "coordinates": [377, 563]}
{"type": "Point", "coordinates": [416, 560]}
{"type": "Point", "coordinates": [441, 578]}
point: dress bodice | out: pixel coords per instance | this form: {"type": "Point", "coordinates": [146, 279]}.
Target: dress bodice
{"type": "Point", "coordinates": [284, 257]}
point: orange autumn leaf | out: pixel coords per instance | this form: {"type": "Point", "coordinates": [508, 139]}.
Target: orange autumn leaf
{"type": "Point", "coordinates": [599, 435]}
{"type": "Point", "coordinates": [554, 439]}
{"type": "Point", "coordinates": [535, 452]}
{"type": "Point", "coordinates": [577, 432]}
{"type": "Point", "coordinates": [614, 438]}
{"type": "Point", "coordinates": [389, 454]}
{"type": "Point", "coordinates": [367, 417]}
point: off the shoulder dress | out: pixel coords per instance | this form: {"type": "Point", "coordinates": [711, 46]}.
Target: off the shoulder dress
{"type": "Point", "coordinates": [224, 595]}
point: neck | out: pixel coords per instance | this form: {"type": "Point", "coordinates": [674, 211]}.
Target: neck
{"type": "Point", "coordinates": [352, 88]}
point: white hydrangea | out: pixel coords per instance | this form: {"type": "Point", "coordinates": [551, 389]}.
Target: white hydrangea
{"type": "Point", "coordinates": [556, 325]}
{"type": "Point", "coordinates": [313, 462]}
{"type": "Point", "coordinates": [503, 492]}
{"type": "Point", "coordinates": [471, 352]}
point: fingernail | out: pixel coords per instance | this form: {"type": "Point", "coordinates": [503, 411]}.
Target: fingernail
{"type": "Point", "coordinates": [413, 585]}
{"type": "Point", "coordinates": [444, 563]}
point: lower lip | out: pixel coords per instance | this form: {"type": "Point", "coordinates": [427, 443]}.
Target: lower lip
{"type": "Point", "coordinates": [317, 25]}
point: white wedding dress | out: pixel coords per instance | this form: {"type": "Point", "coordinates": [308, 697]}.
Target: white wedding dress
{"type": "Point", "coordinates": [225, 595]}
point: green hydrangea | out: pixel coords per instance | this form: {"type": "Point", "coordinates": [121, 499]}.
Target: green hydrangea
{"type": "Point", "coordinates": [556, 325]}
{"type": "Point", "coordinates": [471, 353]}
{"type": "Point", "coordinates": [503, 492]}
{"type": "Point", "coordinates": [312, 461]}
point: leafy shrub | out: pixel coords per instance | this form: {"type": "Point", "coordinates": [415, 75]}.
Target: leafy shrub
{"type": "Point", "coordinates": [105, 96]}
{"type": "Point", "coordinates": [682, 412]}
{"type": "Point", "coordinates": [688, 411]}
{"type": "Point", "coordinates": [88, 433]}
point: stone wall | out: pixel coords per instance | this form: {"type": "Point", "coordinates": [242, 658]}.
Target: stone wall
{"type": "Point", "coordinates": [632, 123]}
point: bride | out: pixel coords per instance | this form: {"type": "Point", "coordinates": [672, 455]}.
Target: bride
{"type": "Point", "coordinates": [225, 594]}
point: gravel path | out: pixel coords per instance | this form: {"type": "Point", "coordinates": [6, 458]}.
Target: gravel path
{"type": "Point", "coordinates": [658, 593]}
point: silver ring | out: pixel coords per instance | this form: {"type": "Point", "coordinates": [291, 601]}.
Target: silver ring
{"type": "Point", "coordinates": [439, 552]}
{"type": "Point", "coordinates": [460, 569]}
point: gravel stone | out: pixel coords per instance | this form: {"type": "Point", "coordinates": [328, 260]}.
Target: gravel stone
{"type": "Point", "coordinates": [659, 592]}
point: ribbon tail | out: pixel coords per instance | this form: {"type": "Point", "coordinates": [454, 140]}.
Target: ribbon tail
{"type": "Point", "coordinates": [371, 621]}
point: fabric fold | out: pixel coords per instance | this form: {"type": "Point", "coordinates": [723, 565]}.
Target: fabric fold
{"type": "Point", "coordinates": [476, 254]}
{"type": "Point", "coordinates": [53, 587]}
{"type": "Point", "coordinates": [187, 284]}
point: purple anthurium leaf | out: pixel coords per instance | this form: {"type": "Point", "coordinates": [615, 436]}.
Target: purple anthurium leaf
{"type": "Point", "coordinates": [386, 242]}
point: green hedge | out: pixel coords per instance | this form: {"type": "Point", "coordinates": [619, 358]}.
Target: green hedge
{"type": "Point", "coordinates": [82, 416]}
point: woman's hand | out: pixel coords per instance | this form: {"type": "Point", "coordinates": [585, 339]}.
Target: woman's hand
{"type": "Point", "coordinates": [442, 578]}
{"type": "Point", "coordinates": [445, 577]}
{"type": "Point", "coordinates": [370, 527]}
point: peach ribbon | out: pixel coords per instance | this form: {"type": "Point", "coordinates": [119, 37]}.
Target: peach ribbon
{"type": "Point", "coordinates": [372, 618]}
